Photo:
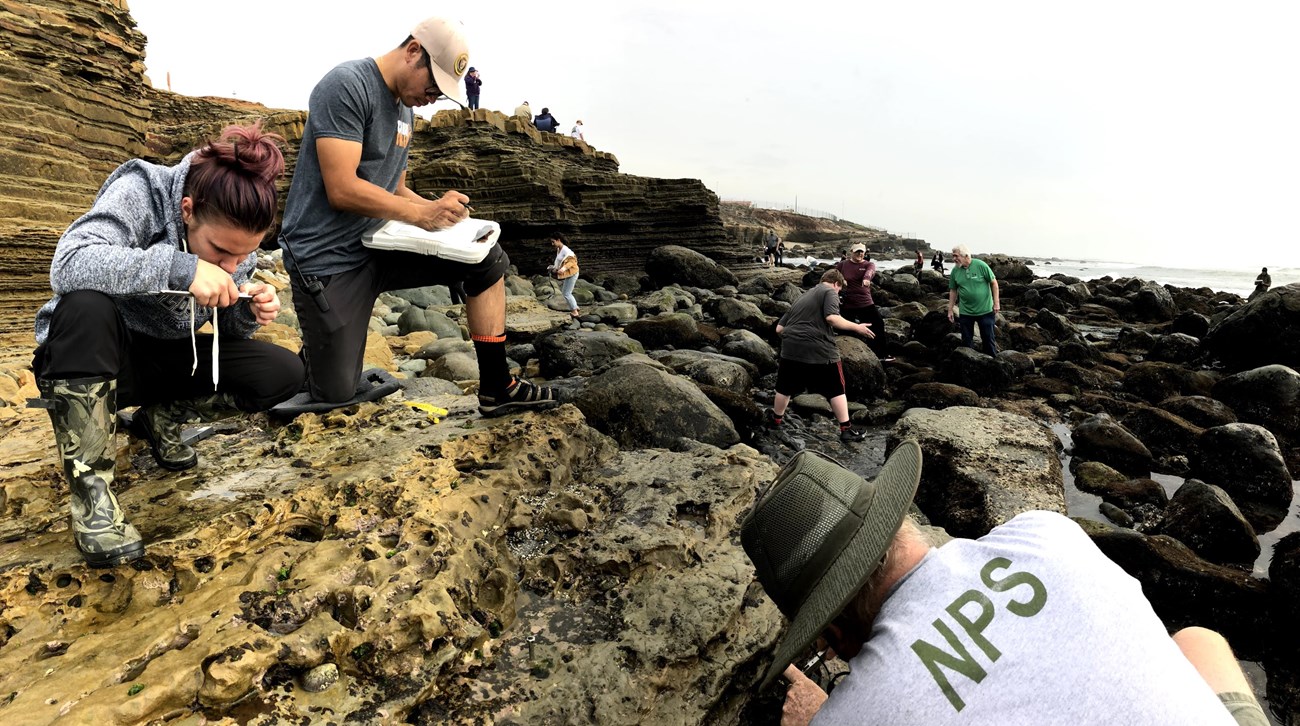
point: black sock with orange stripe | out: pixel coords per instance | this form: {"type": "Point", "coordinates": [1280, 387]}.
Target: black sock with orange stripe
{"type": "Point", "coordinates": [493, 370]}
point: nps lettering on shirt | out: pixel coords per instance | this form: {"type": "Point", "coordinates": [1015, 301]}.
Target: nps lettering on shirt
{"type": "Point", "coordinates": [972, 612]}
{"type": "Point", "coordinates": [403, 135]}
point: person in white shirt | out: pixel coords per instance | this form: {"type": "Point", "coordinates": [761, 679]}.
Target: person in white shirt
{"type": "Point", "coordinates": [577, 131]}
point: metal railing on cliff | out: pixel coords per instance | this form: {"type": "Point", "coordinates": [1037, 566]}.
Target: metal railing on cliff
{"type": "Point", "coordinates": [798, 209]}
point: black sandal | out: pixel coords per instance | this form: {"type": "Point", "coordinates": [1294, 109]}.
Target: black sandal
{"type": "Point", "coordinates": [520, 395]}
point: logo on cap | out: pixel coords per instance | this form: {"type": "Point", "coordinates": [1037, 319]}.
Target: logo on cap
{"type": "Point", "coordinates": [462, 60]}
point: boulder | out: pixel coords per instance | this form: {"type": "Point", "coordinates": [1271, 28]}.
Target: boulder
{"type": "Point", "coordinates": [417, 319]}
{"type": "Point", "coordinates": [1132, 340]}
{"type": "Point", "coordinates": [864, 375]}
{"type": "Point", "coordinates": [1175, 348]}
{"type": "Point", "coordinates": [1202, 411]}
{"type": "Point", "coordinates": [1155, 381]}
{"type": "Point", "coordinates": [641, 406]}
{"type": "Point", "coordinates": [677, 330]}
{"type": "Point", "coordinates": [618, 313]}
{"type": "Point", "coordinates": [709, 369]}
{"type": "Point", "coordinates": [738, 314]}
{"type": "Point", "coordinates": [940, 396]}
{"type": "Point", "coordinates": [1141, 497]}
{"type": "Point", "coordinates": [1152, 302]}
{"type": "Point", "coordinates": [672, 263]}
{"type": "Point", "coordinates": [982, 467]}
{"type": "Point", "coordinates": [748, 346]}
{"type": "Point", "coordinates": [1244, 459]}
{"type": "Point", "coordinates": [1186, 590]}
{"type": "Point", "coordinates": [1163, 433]}
{"type": "Point", "coordinates": [1101, 438]}
{"type": "Point", "coordinates": [1057, 326]}
{"type": "Point", "coordinates": [559, 354]}
{"type": "Point", "coordinates": [1284, 592]}
{"type": "Point", "coordinates": [454, 366]}
{"type": "Point", "coordinates": [972, 369]}
{"type": "Point", "coordinates": [1249, 336]}
{"type": "Point", "coordinates": [1190, 323]}
{"type": "Point", "coordinates": [1268, 396]}
{"type": "Point", "coordinates": [1203, 517]}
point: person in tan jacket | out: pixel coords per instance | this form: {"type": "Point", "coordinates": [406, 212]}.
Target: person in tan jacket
{"type": "Point", "coordinates": [565, 269]}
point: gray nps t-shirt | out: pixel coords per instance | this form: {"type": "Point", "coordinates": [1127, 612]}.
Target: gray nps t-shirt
{"type": "Point", "coordinates": [353, 103]}
{"type": "Point", "coordinates": [1029, 624]}
{"type": "Point", "coordinates": [807, 337]}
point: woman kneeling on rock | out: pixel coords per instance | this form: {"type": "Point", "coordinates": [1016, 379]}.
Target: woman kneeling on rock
{"type": "Point", "coordinates": [161, 251]}
{"type": "Point", "coordinates": [565, 269]}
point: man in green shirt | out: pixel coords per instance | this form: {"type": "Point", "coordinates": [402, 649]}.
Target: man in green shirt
{"type": "Point", "coordinates": [973, 298]}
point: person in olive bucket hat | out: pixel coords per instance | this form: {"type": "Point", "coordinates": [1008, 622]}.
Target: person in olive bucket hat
{"type": "Point", "coordinates": [1029, 624]}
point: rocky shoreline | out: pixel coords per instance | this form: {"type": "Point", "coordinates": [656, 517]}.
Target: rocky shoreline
{"type": "Point", "coordinates": [580, 566]}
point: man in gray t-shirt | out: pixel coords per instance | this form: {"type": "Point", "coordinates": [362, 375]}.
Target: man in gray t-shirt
{"type": "Point", "coordinates": [350, 178]}
{"type": "Point", "coordinates": [1029, 624]}
{"type": "Point", "coordinates": [809, 357]}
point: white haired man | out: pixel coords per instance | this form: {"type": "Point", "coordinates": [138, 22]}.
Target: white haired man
{"type": "Point", "coordinates": [973, 293]}
{"type": "Point", "coordinates": [1029, 624]}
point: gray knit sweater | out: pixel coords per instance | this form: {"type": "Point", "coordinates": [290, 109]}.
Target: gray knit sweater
{"type": "Point", "coordinates": [129, 243]}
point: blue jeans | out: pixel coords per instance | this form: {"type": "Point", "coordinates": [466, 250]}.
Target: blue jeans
{"type": "Point", "coordinates": [472, 98]}
{"type": "Point", "coordinates": [566, 289]}
{"type": "Point", "coordinates": [986, 323]}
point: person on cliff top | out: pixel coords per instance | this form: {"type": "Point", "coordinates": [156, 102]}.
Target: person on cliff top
{"type": "Point", "coordinates": [525, 111]}
{"type": "Point", "coordinates": [350, 178]}
{"type": "Point", "coordinates": [1029, 624]}
{"type": "Point", "coordinates": [973, 299]}
{"type": "Point", "coordinates": [472, 85]}
{"type": "Point", "coordinates": [565, 269]}
{"type": "Point", "coordinates": [936, 262]}
{"type": "Point", "coordinates": [856, 302]}
{"type": "Point", "coordinates": [809, 357]}
{"type": "Point", "coordinates": [1262, 283]}
{"type": "Point", "coordinates": [544, 121]}
{"type": "Point", "coordinates": [576, 133]}
{"type": "Point", "coordinates": [162, 251]}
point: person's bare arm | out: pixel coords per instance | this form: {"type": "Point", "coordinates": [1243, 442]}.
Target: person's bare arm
{"type": "Point", "coordinates": [997, 298]}
{"type": "Point", "coordinates": [952, 303]}
{"type": "Point", "coordinates": [348, 192]}
{"type": "Point", "coordinates": [840, 323]}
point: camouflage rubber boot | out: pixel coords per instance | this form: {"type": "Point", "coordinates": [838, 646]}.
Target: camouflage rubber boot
{"type": "Point", "coordinates": [161, 425]}
{"type": "Point", "coordinates": [83, 412]}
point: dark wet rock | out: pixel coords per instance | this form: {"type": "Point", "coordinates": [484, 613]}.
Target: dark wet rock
{"type": "Point", "coordinates": [982, 467]}
{"type": "Point", "coordinates": [1251, 336]}
{"type": "Point", "coordinates": [788, 293]}
{"type": "Point", "coordinates": [1075, 374]}
{"type": "Point", "coordinates": [641, 406]}
{"type": "Point", "coordinates": [1190, 323]}
{"type": "Point", "coordinates": [1055, 325]}
{"type": "Point", "coordinates": [864, 376]}
{"type": "Point", "coordinates": [1019, 363]}
{"type": "Point", "coordinates": [940, 396]}
{"type": "Point", "coordinates": [559, 354]}
{"type": "Point", "coordinates": [1132, 340]}
{"type": "Point", "coordinates": [1281, 664]}
{"type": "Point", "coordinates": [1268, 396]}
{"type": "Point", "coordinates": [903, 286]}
{"type": "Point", "coordinates": [757, 285]}
{"type": "Point", "coordinates": [1101, 438]}
{"type": "Point", "coordinates": [739, 314]}
{"type": "Point", "coordinates": [454, 366]}
{"type": "Point", "coordinates": [812, 404]}
{"type": "Point", "coordinates": [677, 330]}
{"type": "Point", "coordinates": [745, 415]}
{"type": "Point", "coordinates": [749, 346]}
{"type": "Point", "coordinates": [1008, 268]}
{"type": "Point", "coordinates": [1186, 590]}
{"type": "Point", "coordinates": [1164, 433]}
{"type": "Point", "coordinates": [1078, 351]}
{"type": "Point", "coordinates": [1202, 411]}
{"type": "Point", "coordinates": [671, 263]}
{"type": "Point", "coordinates": [1244, 459]}
{"type": "Point", "coordinates": [1203, 517]}
{"type": "Point", "coordinates": [932, 328]}
{"type": "Point", "coordinates": [1025, 337]}
{"type": "Point", "coordinates": [1152, 302]}
{"type": "Point", "coordinates": [1120, 517]}
{"type": "Point", "coordinates": [1155, 381]}
{"type": "Point", "coordinates": [437, 295]}
{"type": "Point", "coordinates": [1131, 495]}
{"type": "Point", "coordinates": [616, 313]}
{"type": "Point", "coordinates": [1175, 348]}
{"type": "Point", "coordinates": [710, 369]}
{"type": "Point", "coordinates": [972, 369]}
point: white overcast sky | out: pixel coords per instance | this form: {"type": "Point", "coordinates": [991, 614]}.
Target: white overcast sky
{"type": "Point", "coordinates": [1153, 132]}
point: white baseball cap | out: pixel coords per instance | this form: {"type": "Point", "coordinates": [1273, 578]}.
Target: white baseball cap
{"type": "Point", "coordinates": [444, 40]}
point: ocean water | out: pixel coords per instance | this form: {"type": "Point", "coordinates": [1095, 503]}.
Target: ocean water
{"type": "Point", "coordinates": [1222, 279]}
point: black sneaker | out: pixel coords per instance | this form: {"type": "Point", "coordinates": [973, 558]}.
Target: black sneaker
{"type": "Point", "coordinates": [769, 418]}
{"type": "Point", "coordinates": [851, 435]}
{"type": "Point", "coordinates": [520, 396]}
